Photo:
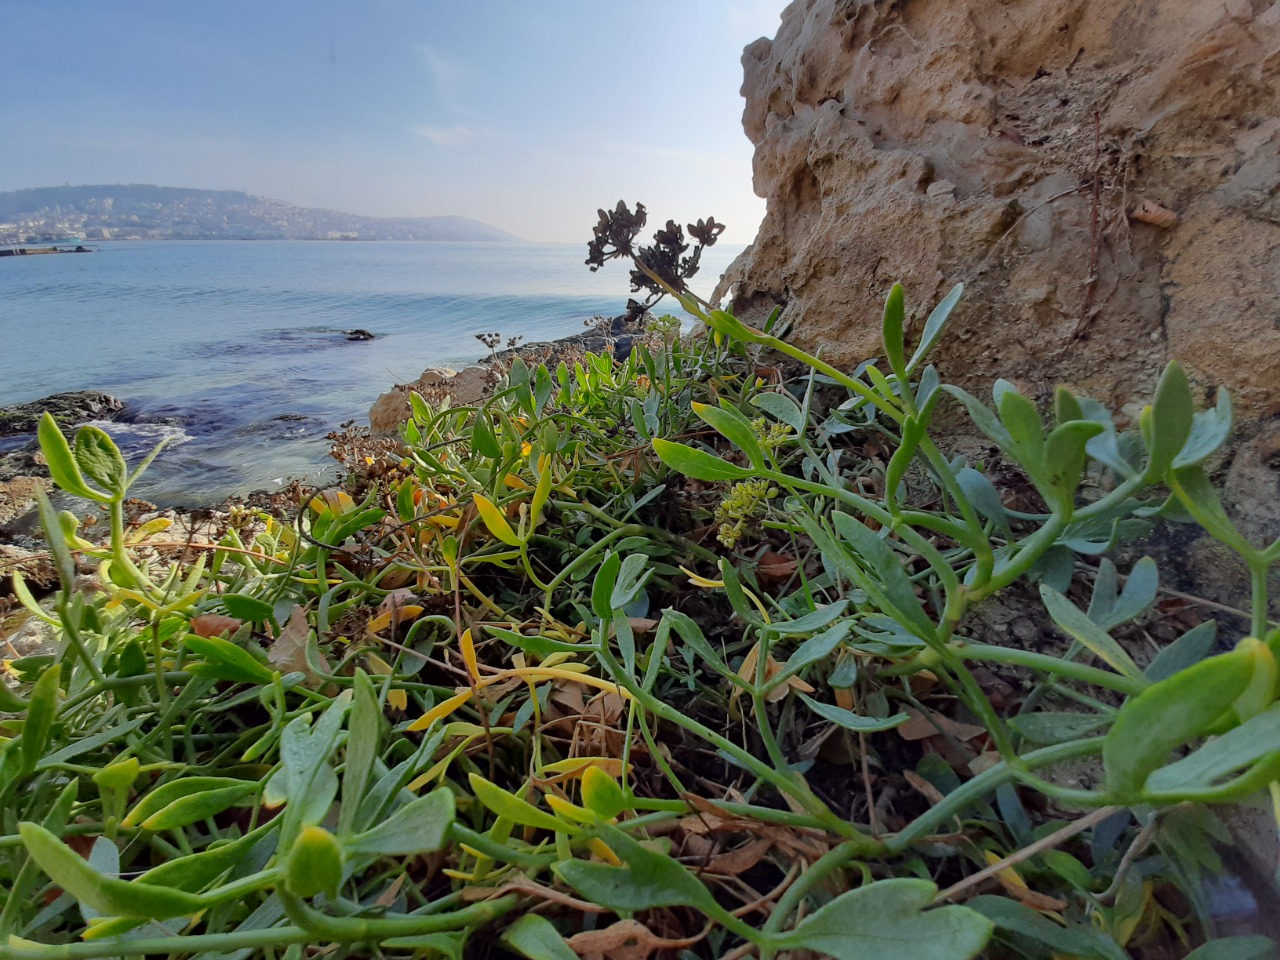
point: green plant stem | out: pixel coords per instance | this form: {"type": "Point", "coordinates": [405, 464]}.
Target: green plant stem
{"type": "Point", "coordinates": [1047, 664]}
{"type": "Point", "coordinates": [1259, 569]}
{"type": "Point", "coordinates": [497, 851]}
{"type": "Point", "coordinates": [984, 783]}
{"type": "Point", "coordinates": [369, 930]}
{"type": "Point", "coordinates": [823, 867]}
{"type": "Point", "coordinates": [787, 784]}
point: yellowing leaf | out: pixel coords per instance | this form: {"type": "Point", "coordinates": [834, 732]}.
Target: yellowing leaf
{"type": "Point", "coordinates": [514, 482]}
{"type": "Point", "coordinates": [440, 710]}
{"type": "Point", "coordinates": [396, 698]}
{"type": "Point", "coordinates": [399, 614]}
{"type": "Point", "coordinates": [603, 851]}
{"type": "Point", "coordinates": [495, 520]}
{"type": "Point", "coordinates": [468, 648]}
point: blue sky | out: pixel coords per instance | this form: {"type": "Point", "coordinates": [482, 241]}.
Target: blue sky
{"type": "Point", "coordinates": [527, 115]}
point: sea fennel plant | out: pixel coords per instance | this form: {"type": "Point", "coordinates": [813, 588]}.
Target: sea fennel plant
{"type": "Point", "coordinates": [513, 694]}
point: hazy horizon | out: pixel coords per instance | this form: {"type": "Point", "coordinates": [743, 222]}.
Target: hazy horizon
{"type": "Point", "coordinates": [527, 118]}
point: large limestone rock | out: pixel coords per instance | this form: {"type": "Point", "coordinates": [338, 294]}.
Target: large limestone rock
{"type": "Point", "coordinates": [1009, 145]}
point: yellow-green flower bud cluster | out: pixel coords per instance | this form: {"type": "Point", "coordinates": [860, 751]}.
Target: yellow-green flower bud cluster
{"type": "Point", "coordinates": [744, 502]}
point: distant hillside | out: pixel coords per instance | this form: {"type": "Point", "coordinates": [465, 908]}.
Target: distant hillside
{"type": "Point", "coordinates": [142, 212]}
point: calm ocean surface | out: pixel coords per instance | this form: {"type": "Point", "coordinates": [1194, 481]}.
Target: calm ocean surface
{"type": "Point", "coordinates": [213, 343]}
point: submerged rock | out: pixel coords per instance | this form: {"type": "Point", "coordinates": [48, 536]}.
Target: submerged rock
{"type": "Point", "coordinates": [68, 409]}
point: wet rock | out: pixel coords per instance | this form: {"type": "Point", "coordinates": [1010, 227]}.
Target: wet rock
{"type": "Point", "coordinates": [68, 409]}
{"type": "Point", "coordinates": [358, 335]}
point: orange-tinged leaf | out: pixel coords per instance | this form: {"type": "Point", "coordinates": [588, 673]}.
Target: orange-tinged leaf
{"type": "Point", "coordinates": [495, 520]}
{"type": "Point", "coordinates": [514, 482]}
{"type": "Point", "coordinates": [440, 711]}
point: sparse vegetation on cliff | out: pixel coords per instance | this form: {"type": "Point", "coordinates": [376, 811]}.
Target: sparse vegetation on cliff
{"type": "Point", "coordinates": [673, 655]}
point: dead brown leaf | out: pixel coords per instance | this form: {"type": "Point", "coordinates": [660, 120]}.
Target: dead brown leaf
{"type": "Point", "coordinates": [288, 652]}
{"type": "Point", "coordinates": [625, 940]}
{"type": "Point", "coordinates": [922, 726]}
{"type": "Point", "coordinates": [214, 624]}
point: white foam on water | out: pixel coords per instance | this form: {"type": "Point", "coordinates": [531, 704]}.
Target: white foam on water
{"type": "Point", "coordinates": [134, 438]}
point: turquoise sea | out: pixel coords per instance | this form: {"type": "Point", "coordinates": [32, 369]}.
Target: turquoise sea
{"type": "Point", "coordinates": [236, 351]}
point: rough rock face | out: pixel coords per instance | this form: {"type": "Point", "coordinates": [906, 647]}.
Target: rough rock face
{"type": "Point", "coordinates": [1009, 145]}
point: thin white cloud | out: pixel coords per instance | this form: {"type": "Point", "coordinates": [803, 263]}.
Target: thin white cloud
{"type": "Point", "coordinates": [446, 74]}
{"type": "Point", "coordinates": [445, 136]}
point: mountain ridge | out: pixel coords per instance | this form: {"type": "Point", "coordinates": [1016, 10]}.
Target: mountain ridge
{"type": "Point", "coordinates": [150, 212]}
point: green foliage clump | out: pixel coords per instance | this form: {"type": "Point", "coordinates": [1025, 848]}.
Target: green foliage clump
{"type": "Point", "coordinates": [492, 704]}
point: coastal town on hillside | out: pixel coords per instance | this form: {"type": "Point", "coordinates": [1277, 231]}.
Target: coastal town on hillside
{"type": "Point", "coordinates": [63, 214]}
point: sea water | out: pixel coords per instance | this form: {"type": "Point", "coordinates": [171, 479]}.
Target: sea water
{"type": "Point", "coordinates": [236, 350]}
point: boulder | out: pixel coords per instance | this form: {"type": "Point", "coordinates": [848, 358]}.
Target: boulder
{"type": "Point", "coordinates": [1104, 177]}
{"type": "Point", "coordinates": [68, 409]}
{"type": "Point", "coordinates": [393, 408]}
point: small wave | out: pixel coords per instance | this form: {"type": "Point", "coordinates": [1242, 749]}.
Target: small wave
{"type": "Point", "coordinates": [140, 438]}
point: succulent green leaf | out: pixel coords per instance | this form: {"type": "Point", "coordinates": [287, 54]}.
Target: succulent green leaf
{"type": "Point", "coordinates": [734, 427]}
{"type": "Point", "coordinates": [1190, 648]}
{"type": "Point", "coordinates": [1168, 715]}
{"type": "Point", "coordinates": [364, 730]}
{"type": "Point", "coordinates": [852, 721]}
{"type": "Point", "coordinates": [1209, 431]}
{"type": "Point", "coordinates": [517, 810]}
{"type": "Point", "coordinates": [62, 463]}
{"type": "Point", "coordinates": [884, 564]}
{"type": "Point", "coordinates": [603, 585]}
{"type": "Point", "coordinates": [1076, 940]}
{"type": "Point", "coordinates": [225, 661]}
{"type": "Point", "coordinates": [1066, 407]}
{"type": "Point", "coordinates": [1235, 948]}
{"type": "Point", "coordinates": [697, 464]}
{"type": "Point", "coordinates": [42, 710]}
{"type": "Point", "coordinates": [1064, 455]}
{"type": "Point", "coordinates": [1170, 419]}
{"type": "Point", "coordinates": [535, 937]}
{"type": "Point", "coordinates": [891, 331]}
{"type": "Point", "coordinates": [935, 325]}
{"type": "Point", "coordinates": [1075, 622]}
{"type": "Point", "coordinates": [602, 794]}
{"type": "Point", "coordinates": [196, 807]}
{"type": "Point", "coordinates": [1221, 757]}
{"type": "Point", "coordinates": [1048, 728]}
{"type": "Point", "coordinates": [482, 439]}
{"type": "Point", "coordinates": [109, 896]}
{"type": "Point", "coordinates": [781, 407]}
{"type": "Point", "coordinates": [647, 880]}
{"type": "Point", "coordinates": [184, 788]}
{"type": "Point", "coordinates": [816, 648]}
{"type": "Point", "coordinates": [99, 458]}
{"type": "Point", "coordinates": [889, 920]}
{"type": "Point", "coordinates": [1194, 491]}
{"type": "Point", "coordinates": [420, 826]}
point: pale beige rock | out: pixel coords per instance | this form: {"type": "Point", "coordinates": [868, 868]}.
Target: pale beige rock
{"type": "Point", "coordinates": [470, 386]}
{"type": "Point", "coordinates": [933, 142]}
{"type": "Point", "coordinates": [18, 496]}
{"type": "Point", "coordinates": [393, 408]}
